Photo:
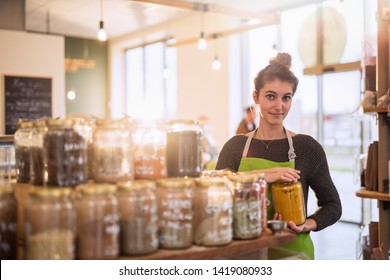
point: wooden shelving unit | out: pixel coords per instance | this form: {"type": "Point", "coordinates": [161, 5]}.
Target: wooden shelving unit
{"type": "Point", "coordinates": [363, 193]}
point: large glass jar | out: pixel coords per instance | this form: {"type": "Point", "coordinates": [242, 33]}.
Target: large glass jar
{"type": "Point", "coordinates": [97, 222]}
{"type": "Point", "coordinates": [288, 201]}
{"type": "Point", "coordinates": [64, 155]}
{"type": "Point", "coordinates": [138, 217]}
{"type": "Point", "coordinates": [8, 221]}
{"type": "Point", "coordinates": [212, 217]}
{"type": "Point", "coordinates": [184, 148]}
{"type": "Point", "coordinates": [247, 205]}
{"type": "Point", "coordinates": [50, 224]}
{"type": "Point", "coordinates": [22, 141]}
{"type": "Point", "coordinates": [36, 152]}
{"type": "Point", "coordinates": [150, 151]}
{"type": "Point", "coordinates": [174, 208]}
{"type": "Point", "coordinates": [113, 151]}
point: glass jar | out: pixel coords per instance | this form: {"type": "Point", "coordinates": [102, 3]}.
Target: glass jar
{"type": "Point", "coordinates": [149, 151]}
{"type": "Point", "coordinates": [174, 208]}
{"type": "Point", "coordinates": [5, 165]}
{"type": "Point", "coordinates": [184, 148]}
{"type": "Point", "coordinates": [36, 152]}
{"type": "Point", "coordinates": [8, 221]}
{"type": "Point", "coordinates": [64, 155]}
{"type": "Point", "coordinates": [212, 217]}
{"type": "Point", "coordinates": [22, 141]}
{"type": "Point", "coordinates": [247, 206]}
{"type": "Point", "coordinates": [138, 217]}
{"type": "Point", "coordinates": [97, 222]}
{"type": "Point", "coordinates": [288, 201]}
{"type": "Point", "coordinates": [113, 151]}
{"type": "Point", "coordinates": [50, 224]}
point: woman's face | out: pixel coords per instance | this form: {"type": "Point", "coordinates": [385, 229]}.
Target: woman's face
{"type": "Point", "coordinates": [274, 101]}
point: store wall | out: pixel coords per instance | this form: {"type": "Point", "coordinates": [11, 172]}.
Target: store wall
{"type": "Point", "coordinates": [38, 55]}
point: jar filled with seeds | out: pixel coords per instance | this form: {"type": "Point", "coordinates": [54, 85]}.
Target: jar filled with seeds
{"type": "Point", "coordinates": [50, 224]}
{"type": "Point", "coordinates": [8, 221]}
{"type": "Point", "coordinates": [36, 152]}
{"type": "Point", "coordinates": [65, 155]}
{"type": "Point", "coordinates": [113, 151]}
{"type": "Point", "coordinates": [212, 216]}
{"type": "Point", "coordinates": [184, 148]}
{"type": "Point", "coordinates": [97, 222]}
{"type": "Point", "coordinates": [247, 205]}
{"type": "Point", "coordinates": [138, 217]}
{"type": "Point", "coordinates": [22, 141]}
{"type": "Point", "coordinates": [174, 208]}
{"type": "Point", "coordinates": [149, 151]}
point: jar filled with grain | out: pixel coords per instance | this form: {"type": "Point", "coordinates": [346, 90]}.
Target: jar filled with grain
{"type": "Point", "coordinates": [50, 224]}
{"type": "Point", "coordinates": [138, 217]}
{"type": "Point", "coordinates": [248, 216]}
{"type": "Point", "coordinates": [36, 152]}
{"type": "Point", "coordinates": [64, 155]}
{"type": "Point", "coordinates": [212, 212]}
{"type": "Point", "coordinates": [150, 151]}
{"type": "Point", "coordinates": [97, 222]}
{"type": "Point", "coordinates": [113, 151]}
{"type": "Point", "coordinates": [184, 148]}
{"type": "Point", "coordinates": [8, 222]}
{"type": "Point", "coordinates": [22, 141]}
{"type": "Point", "coordinates": [174, 208]}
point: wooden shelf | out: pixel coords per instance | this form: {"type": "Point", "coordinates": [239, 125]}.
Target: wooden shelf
{"type": "Point", "coordinates": [363, 193]}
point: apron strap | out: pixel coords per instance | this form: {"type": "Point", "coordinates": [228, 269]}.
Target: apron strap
{"type": "Point", "coordinates": [248, 143]}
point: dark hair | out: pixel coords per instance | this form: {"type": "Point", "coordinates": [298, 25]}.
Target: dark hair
{"type": "Point", "coordinates": [278, 68]}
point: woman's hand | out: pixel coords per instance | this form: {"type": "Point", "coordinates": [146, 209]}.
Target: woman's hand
{"type": "Point", "coordinates": [307, 226]}
{"type": "Point", "coordinates": [279, 174]}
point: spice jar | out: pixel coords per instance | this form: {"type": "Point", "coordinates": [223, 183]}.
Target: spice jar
{"type": "Point", "coordinates": [8, 220]}
{"type": "Point", "coordinates": [184, 148]}
{"type": "Point", "coordinates": [247, 205]}
{"type": "Point", "coordinates": [64, 155]}
{"type": "Point", "coordinates": [36, 152]}
{"type": "Point", "coordinates": [22, 151]}
{"type": "Point", "coordinates": [174, 208]}
{"type": "Point", "coordinates": [289, 202]}
{"type": "Point", "coordinates": [112, 151]}
{"type": "Point", "coordinates": [150, 151]}
{"type": "Point", "coordinates": [97, 222]}
{"type": "Point", "coordinates": [138, 217]}
{"type": "Point", "coordinates": [50, 224]}
{"type": "Point", "coordinates": [212, 212]}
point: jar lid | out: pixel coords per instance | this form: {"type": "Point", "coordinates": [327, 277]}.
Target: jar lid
{"type": "Point", "coordinates": [182, 121]}
{"type": "Point", "coordinates": [51, 192]}
{"type": "Point", "coordinates": [6, 190]}
{"type": "Point", "coordinates": [246, 177]}
{"type": "Point", "coordinates": [211, 182]}
{"type": "Point", "coordinates": [182, 182]}
{"type": "Point", "coordinates": [286, 184]}
{"type": "Point", "coordinates": [40, 123]}
{"type": "Point", "coordinates": [55, 122]}
{"type": "Point", "coordinates": [25, 124]}
{"type": "Point", "coordinates": [92, 188]}
{"type": "Point", "coordinates": [136, 185]}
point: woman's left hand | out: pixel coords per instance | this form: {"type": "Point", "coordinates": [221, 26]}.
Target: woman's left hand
{"type": "Point", "coordinates": [307, 226]}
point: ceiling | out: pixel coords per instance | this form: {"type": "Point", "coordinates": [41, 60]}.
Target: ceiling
{"type": "Point", "coordinates": [80, 18]}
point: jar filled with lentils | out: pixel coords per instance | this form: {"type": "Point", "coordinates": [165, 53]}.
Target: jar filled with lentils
{"type": "Point", "coordinates": [174, 207]}
{"type": "Point", "coordinates": [50, 224]}
{"type": "Point", "coordinates": [138, 217]}
{"type": "Point", "coordinates": [97, 222]}
{"type": "Point", "coordinates": [36, 152]}
{"type": "Point", "coordinates": [22, 141]}
{"type": "Point", "coordinates": [8, 222]}
{"type": "Point", "coordinates": [212, 217]}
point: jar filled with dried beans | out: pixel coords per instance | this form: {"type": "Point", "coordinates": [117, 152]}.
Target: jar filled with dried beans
{"type": "Point", "coordinates": [138, 217]}
{"type": "Point", "coordinates": [36, 152]}
{"type": "Point", "coordinates": [8, 221]}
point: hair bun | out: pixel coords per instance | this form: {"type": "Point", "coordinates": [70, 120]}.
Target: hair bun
{"type": "Point", "coordinates": [282, 58]}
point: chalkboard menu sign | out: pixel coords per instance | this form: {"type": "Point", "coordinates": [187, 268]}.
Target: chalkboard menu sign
{"type": "Point", "coordinates": [26, 98]}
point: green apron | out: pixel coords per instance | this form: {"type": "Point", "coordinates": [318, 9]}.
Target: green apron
{"type": "Point", "coordinates": [303, 242]}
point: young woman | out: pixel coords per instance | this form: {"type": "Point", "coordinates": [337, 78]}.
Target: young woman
{"type": "Point", "coordinates": [282, 155]}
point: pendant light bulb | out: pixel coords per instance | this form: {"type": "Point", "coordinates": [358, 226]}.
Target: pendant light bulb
{"type": "Point", "coordinates": [216, 63]}
{"type": "Point", "coordinates": [102, 35]}
{"type": "Point", "coordinates": [202, 43]}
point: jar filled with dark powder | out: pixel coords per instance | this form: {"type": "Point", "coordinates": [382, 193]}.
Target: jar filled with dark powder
{"type": "Point", "coordinates": [22, 141]}
{"type": "Point", "coordinates": [8, 222]}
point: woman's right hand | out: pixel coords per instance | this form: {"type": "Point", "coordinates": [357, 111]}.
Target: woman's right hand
{"type": "Point", "coordinates": [279, 174]}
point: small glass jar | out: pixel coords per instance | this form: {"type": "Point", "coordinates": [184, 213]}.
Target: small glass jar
{"type": "Point", "coordinates": [50, 224]}
{"type": "Point", "coordinates": [184, 148]}
{"type": "Point", "coordinates": [150, 151]}
{"type": "Point", "coordinates": [22, 141]}
{"type": "Point", "coordinates": [247, 206]}
{"type": "Point", "coordinates": [8, 221]}
{"type": "Point", "coordinates": [113, 151]}
{"type": "Point", "coordinates": [174, 208]}
{"type": "Point", "coordinates": [36, 152]}
{"type": "Point", "coordinates": [288, 201]}
{"type": "Point", "coordinates": [212, 217]}
{"type": "Point", "coordinates": [138, 217]}
{"type": "Point", "coordinates": [97, 222]}
{"type": "Point", "coordinates": [64, 155]}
